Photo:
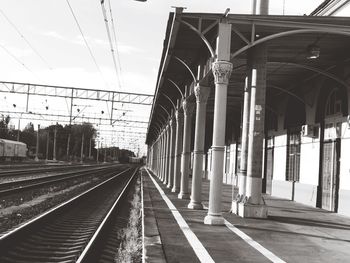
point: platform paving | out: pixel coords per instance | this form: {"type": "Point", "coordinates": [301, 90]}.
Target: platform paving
{"type": "Point", "coordinates": [292, 232]}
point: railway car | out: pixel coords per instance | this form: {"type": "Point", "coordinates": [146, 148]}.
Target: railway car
{"type": "Point", "coordinates": [12, 150]}
{"type": "Point", "coordinates": [135, 160]}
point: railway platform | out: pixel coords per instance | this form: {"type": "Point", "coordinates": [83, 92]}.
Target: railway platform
{"type": "Point", "coordinates": [292, 232]}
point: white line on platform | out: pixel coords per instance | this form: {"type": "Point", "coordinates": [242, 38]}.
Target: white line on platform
{"type": "Point", "coordinates": [143, 219]}
{"type": "Point", "coordinates": [197, 246]}
{"type": "Point", "coordinates": [254, 244]}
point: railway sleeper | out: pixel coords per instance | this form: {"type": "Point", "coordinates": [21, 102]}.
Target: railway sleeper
{"type": "Point", "coordinates": [38, 258]}
{"type": "Point", "coordinates": [44, 247]}
{"type": "Point", "coordinates": [48, 251]}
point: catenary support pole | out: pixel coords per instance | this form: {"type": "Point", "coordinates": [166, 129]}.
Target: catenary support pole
{"type": "Point", "coordinates": [54, 143]}
{"type": "Point", "coordinates": [37, 145]}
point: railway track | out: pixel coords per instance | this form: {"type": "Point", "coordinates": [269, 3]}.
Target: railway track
{"type": "Point", "coordinates": [40, 169]}
{"type": "Point", "coordinates": [72, 231]}
{"type": "Point", "coordinates": [19, 186]}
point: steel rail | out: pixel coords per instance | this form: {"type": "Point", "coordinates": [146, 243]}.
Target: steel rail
{"type": "Point", "coordinates": [54, 234]}
{"type": "Point", "coordinates": [20, 186]}
{"type": "Point", "coordinates": [38, 169]}
{"type": "Point", "coordinates": [95, 238]}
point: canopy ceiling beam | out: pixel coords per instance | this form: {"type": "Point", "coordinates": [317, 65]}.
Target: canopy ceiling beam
{"type": "Point", "coordinates": [201, 35]}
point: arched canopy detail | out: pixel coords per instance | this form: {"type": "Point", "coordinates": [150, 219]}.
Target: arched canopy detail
{"type": "Point", "coordinates": [187, 67]}
{"type": "Point", "coordinates": [320, 71]}
{"type": "Point", "coordinates": [283, 34]}
{"type": "Point", "coordinates": [211, 50]}
{"type": "Point", "coordinates": [177, 87]}
{"type": "Point", "coordinates": [165, 110]}
{"type": "Point", "coordinates": [295, 96]}
{"type": "Point", "coordinates": [172, 103]}
{"type": "Point", "coordinates": [327, 88]}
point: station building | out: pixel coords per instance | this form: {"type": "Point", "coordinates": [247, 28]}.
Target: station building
{"type": "Point", "coordinates": [257, 101]}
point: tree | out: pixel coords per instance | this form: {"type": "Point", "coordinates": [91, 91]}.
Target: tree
{"type": "Point", "coordinates": [76, 132]}
{"type": "Point", "coordinates": [28, 135]}
{"type": "Point", "coordinates": [4, 123]}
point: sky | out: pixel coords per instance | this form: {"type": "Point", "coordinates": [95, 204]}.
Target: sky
{"type": "Point", "coordinates": [60, 56]}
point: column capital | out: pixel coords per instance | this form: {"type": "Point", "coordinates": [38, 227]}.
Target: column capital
{"type": "Point", "coordinates": [179, 116]}
{"type": "Point", "coordinates": [188, 107]}
{"type": "Point", "coordinates": [222, 71]}
{"type": "Point", "coordinates": [202, 93]}
{"type": "Point", "coordinates": [171, 121]}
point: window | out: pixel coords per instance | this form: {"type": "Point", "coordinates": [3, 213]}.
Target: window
{"type": "Point", "coordinates": [293, 156]}
{"type": "Point", "coordinates": [333, 105]}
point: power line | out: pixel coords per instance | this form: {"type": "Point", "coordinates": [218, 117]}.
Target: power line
{"type": "Point", "coordinates": [110, 42]}
{"type": "Point", "coordinates": [28, 43]}
{"type": "Point", "coordinates": [85, 41]}
{"type": "Point", "coordinates": [18, 60]}
{"type": "Point", "coordinates": [115, 41]}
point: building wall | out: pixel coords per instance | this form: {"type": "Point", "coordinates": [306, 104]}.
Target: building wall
{"type": "Point", "coordinates": [306, 188]}
{"type": "Point", "coordinates": [344, 177]}
{"type": "Point", "coordinates": [280, 187]}
{"type": "Point", "coordinates": [305, 191]}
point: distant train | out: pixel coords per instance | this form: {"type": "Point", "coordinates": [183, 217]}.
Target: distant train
{"type": "Point", "coordinates": [12, 150]}
{"type": "Point", "coordinates": [137, 160]}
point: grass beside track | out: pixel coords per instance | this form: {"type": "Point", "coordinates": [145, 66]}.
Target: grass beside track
{"type": "Point", "coordinates": [130, 249]}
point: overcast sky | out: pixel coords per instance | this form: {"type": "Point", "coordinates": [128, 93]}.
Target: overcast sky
{"type": "Point", "coordinates": [50, 28]}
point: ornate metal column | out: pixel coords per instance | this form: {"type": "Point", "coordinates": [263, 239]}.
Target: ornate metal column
{"type": "Point", "coordinates": [222, 70]}
{"type": "Point", "coordinates": [171, 152]}
{"type": "Point", "coordinates": [161, 157]}
{"type": "Point", "coordinates": [167, 154]}
{"type": "Point", "coordinates": [188, 108]}
{"type": "Point", "coordinates": [242, 174]}
{"type": "Point", "coordinates": [202, 94]}
{"type": "Point", "coordinates": [178, 147]}
{"type": "Point", "coordinates": [164, 154]}
{"type": "Point", "coordinates": [252, 205]}
{"type": "Point", "coordinates": [154, 156]}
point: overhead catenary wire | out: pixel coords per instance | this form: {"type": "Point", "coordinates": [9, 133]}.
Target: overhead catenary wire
{"type": "Point", "coordinates": [18, 61]}
{"type": "Point", "coordinates": [110, 42]}
{"type": "Point", "coordinates": [115, 42]}
{"type": "Point", "coordinates": [85, 41]}
{"type": "Point", "coordinates": [25, 39]}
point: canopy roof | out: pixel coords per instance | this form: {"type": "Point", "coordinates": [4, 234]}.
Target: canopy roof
{"type": "Point", "coordinates": [191, 38]}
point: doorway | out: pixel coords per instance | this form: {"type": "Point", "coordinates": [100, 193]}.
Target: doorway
{"type": "Point", "coordinates": [331, 166]}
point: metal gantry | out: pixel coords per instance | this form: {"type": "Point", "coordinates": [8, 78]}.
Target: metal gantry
{"type": "Point", "coordinates": [72, 93]}
{"type": "Point", "coordinates": [116, 112]}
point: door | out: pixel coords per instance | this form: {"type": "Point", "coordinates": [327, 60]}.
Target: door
{"type": "Point", "coordinates": [330, 167]}
{"type": "Point", "coordinates": [293, 156]}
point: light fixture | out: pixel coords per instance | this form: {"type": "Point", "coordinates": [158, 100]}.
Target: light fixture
{"type": "Point", "coordinates": [313, 51]}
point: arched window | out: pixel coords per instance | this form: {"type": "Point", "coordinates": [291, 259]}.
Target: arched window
{"type": "Point", "coordinates": [333, 104]}
{"type": "Point", "coordinates": [332, 127]}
